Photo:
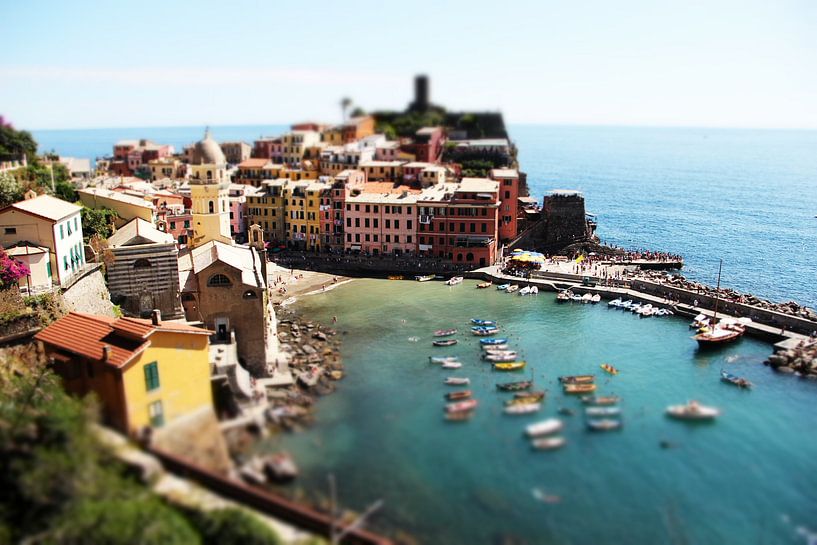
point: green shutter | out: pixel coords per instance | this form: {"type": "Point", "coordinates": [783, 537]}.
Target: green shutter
{"type": "Point", "coordinates": [151, 376]}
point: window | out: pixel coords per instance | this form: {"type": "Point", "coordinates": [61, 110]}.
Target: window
{"type": "Point", "coordinates": [408, 239]}
{"type": "Point", "coordinates": [396, 238]}
{"type": "Point", "coordinates": [367, 237]}
{"type": "Point", "coordinates": [484, 227]}
{"type": "Point", "coordinates": [151, 376]}
{"type": "Point", "coordinates": [357, 222]}
{"type": "Point", "coordinates": [388, 210]}
{"type": "Point", "coordinates": [62, 235]}
{"type": "Point", "coordinates": [507, 194]}
{"type": "Point", "coordinates": [249, 294]}
{"type": "Point", "coordinates": [65, 262]}
{"type": "Point", "coordinates": [211, 206]}
{"type": "Point", "coordinates": [375, 223]}
{"type": "Point", "coordinates": [187, 224]}
{"type": "Point", "coordinates": [368, 208]}
{"type": "Point", "coordinates": [172, 224]}
{"type": "Point", "coordinates": [348, 222]}
{"type": "Point", "coordinates": [388, 224]}
{"type": "Point", "coordinates": [10, 230]}
{"type": "Point", "coordinates": [397, 224]}
{"type": "Point", "coordinates": [219, 281]}
{"type": "Point", "coordinates": [156, 414]}
{"type": "Point", "coordinates": [388, 238]}
{"type": "Point", "coordinates": [473, 227]}
{"type": "Point", "coordinates": [375, 238]}
{"type": "Point", "coordinates": [48, 269]}
{"type": "Point", "coordinates": [366, 222]}
{"type": "Point", "coordinates": [141, 264]}
{"type": "Point", "coordinates": [409, 225]}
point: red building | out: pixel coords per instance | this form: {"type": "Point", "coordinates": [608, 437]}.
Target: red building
{"type": "Point", "coordinates": [129, 155]}
{"type": "Point", "coordinates": [508, 179]}
{"type": "Point", "coordinates": [428, 144]}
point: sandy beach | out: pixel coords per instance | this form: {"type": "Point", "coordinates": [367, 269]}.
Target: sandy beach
{"type": "Point", "coordinates": [287, 285]}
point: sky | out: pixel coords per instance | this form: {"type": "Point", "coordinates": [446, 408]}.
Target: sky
{"type": "Point", "coordinates": [714, 63]}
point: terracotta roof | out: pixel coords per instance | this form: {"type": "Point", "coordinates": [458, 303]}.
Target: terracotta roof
{"type": "Point", "coordinates": [86, 334]}
{"type": "Point", "coordinates": [253, 163]}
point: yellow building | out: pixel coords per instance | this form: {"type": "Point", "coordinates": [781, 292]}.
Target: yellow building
{"type": "Point", "coordinates": [266, 208]}
{"type": "Point", "coordinates": [127, 207]}
{"type": "Point", "coordinates": [210, 193]}
{"type": "Point", "coordinates": [145, 373]}
{"type": "Point", "coordinates": [303, 206]}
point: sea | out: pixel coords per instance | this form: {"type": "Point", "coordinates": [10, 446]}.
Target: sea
{"type": "Point", "coordinates": [742, 196]}
{"type": "Point", "coordinates": [747, 197]}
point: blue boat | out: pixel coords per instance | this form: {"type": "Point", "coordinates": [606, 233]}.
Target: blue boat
{"type": "Point", "coordinates": [493, 341]}
{"type": "Point", "coordinates": [503, 287]}
{"type": "Point", "coordinates": [484, 328]}
{"type": "Point", "coordinates": [477, 321]}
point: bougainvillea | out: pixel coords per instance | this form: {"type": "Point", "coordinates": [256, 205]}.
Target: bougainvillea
{"type": "Point", "coordinates": [11, 270]}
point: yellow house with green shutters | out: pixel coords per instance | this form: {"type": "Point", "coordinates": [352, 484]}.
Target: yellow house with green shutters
{"type": "Point", "coordinates": [145, 373]}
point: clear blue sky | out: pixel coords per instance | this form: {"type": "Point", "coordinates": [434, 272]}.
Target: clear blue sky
{"type": "Point", "coordinates": [727, 63]}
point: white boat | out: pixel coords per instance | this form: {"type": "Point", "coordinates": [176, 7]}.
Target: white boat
{"type": "Point", "coordinates": [534, 290]}
{"type": "Point", "coordinates": [451, 364]}
{"type": "Point", "coordinates": [523, 408]}
{"type": "Point", "coordinates": [501, 358]}
{"type": "Point", "coordinates": [548, 443]}
{"type": "Point", "coordinates": [564, 296]}
{"type": "Point", "coordinates": [615, 302]}
{"type": "Point", "coordinates": [442, 359]}
{"type": "Point", "coordinates": [486, 355]}
{"type": "Point", "coordinates": [489, 348]}
{"type": "Point", "coordinates": [693, 411]}
{"type": "Point", "coordinates": [545, 427]}
{"type": "Point", "coordinates": [576, 298]}
{"type": "Point", "coordinates": [454, 280]}
{"type": "Point", "coordinates": [602, 411]}
{"type": "Point", "coordinates": [525, 291]}
{"type": "Point", "coordinates": [634, 307]}
{"type": "Point", "coordinates": [425, 278]}
{"type": "Point", "coordinates": [595, 299]}
{"type": "Point", "coordinates": [626, 304]}
{"type": "Point", "coordinates": [644, 309]}
{"type": "Point", "coordinates": [701, 320]}
{"type": "Point", "coordinates": [512, 288]}
{"type": "Point", "coordinates": [586, 298]}
{"type": "Point", "coordinates": [457, 381]}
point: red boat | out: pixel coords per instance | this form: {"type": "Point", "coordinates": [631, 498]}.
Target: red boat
{"type": "Point", "coordinates": [459, 406]}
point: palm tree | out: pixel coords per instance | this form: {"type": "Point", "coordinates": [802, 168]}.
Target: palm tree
{"type": "Point", "coordinates": [345, 102]}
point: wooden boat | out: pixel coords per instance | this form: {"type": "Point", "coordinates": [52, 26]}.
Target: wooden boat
{"type": "Point", "coordinates": [736, 380]}
{"type": "Point", "coordinates": [445, 332]}
{"type": "Point", "coordinates": [442, 359]}
{"type": "Point", "coordinates": [604, 424]}
{"type": "Point", "coordinates": [479, 321]}
{"type": "Point", "coordinates": [693, 411]}
{"type": "Point", "coordinates": [501, 358]}
{"type": "Point", "coordinates": [600, 400]}
{"type": "Point", "coordinates": [458, 406]}
{"type": "Point", "coordinates": [577, 379]}
{"type": "Point", "coordinates": [424, 278]}
{"type": "Point", "coordinates": [513, 366]}
{"type": "Point", "coordinates": [544, 427]}
{"type": "Point", "coordinates": [719, 334]}
{"type": "Point", "coordinates": [490, 348]}
{"type": "Point", "coordinates": [493, 341]}
{"type": "Point", "coordinates": [457, 381]}
{"type": "Point", "coordinates": [512, 288]}
{"type": "Point", "coordinates": [517, 386]}
{"type": "Point", "coordinates": [579, 388]}
{"type": "Point", "coordinates": [451, 365]}
{"type": "Point", "coordinates": [525, 408]}
{"type": "Point", "coordinates": [536, 396]}
{"type": "Point", "coordinates": [609, 368]}
{"type": "Point", "coordinates": [454, 280]}
{"type": "Point", "coordinates": [484, 328]}
{"type": "Point", "coordinates": [525, 399]}
{"type": "Point", "coordinates": [461, 394]}
{"type": "Point", "coordinates": [548, 443]}
{"type": "Point", "coordinates": [602, 411]}
{"type": "Point", "coordinates": [459, 416]}
{"type": "Point", "coordinates": [444, 342]}
{"type": "Point", "coordinates": [484, 285]}
{"type": "Point", "coordinates": [484, 332]}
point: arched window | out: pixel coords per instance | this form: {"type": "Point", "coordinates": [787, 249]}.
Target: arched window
{"type": "Point", "coordinates": [249, 294]}
{"type": "Point", "coordinates": [211, 207]}
{"type": "Point", "coordinates": [469, 257]}
{"type": "Point", "coordinates": [219, 281]}
{"type": "Point", "coordinates": [459, 257]}
{"type": "Point", "coordinates": [141, 264]}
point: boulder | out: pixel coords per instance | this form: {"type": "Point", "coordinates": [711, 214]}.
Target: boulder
{"type": "Point", "coordinates": [785, 369]}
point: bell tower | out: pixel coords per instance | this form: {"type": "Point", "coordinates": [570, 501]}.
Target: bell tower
{"type": "Point", "coordinates": [209, 191]}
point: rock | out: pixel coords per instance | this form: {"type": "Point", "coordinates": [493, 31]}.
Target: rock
{"type": "Point", "coordinates": [785, 369]}
{"type": "Point", "coordinates": [308, 349]}
{"type": "Point", "coordinates": [776, 360]}
{"type": "Point", "coordinates": [320, 336]}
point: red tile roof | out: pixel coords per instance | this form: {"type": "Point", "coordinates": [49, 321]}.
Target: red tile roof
{"type": "Point", "coordinates": [86, 334]}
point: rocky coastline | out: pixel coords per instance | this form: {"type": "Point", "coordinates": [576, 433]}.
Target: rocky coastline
{"type": "Point", "coordinates": [799, 360]}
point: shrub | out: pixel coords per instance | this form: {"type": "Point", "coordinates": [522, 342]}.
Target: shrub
{"type": "Point", "coordinates": [232, 526]}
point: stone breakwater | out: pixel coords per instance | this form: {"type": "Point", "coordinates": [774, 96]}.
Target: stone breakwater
{"type": "Point", "coordinates": [800, 359]}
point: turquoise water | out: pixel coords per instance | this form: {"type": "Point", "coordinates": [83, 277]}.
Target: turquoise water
{"type": "Point", "coordinates": [748, 478]}
{"type": "Point", "coordinates": [747, 196]}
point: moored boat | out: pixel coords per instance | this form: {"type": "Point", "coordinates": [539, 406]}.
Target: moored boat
{"type": "Point", "coordinates": [600, 400]}
{"type": "Point", "coordinates": [490, 348]}
{"type": "Point", "coordinates": [717, 335]}
{"type": "Point", "coordinates": [579, 388]}
{"type": "Point", "coordinates": [524, 399]}
{"type": "Point", "coordinates": [609, 368]}
{"type": "Point", "coordinates": [515, 386]}
{"type": "Point", "coordinates": [512, 288]}
{"type": "Point", "coordinates": [602, 411]}
{"type": "Point", "coordinates": [693, 411]}
{"type": "Point", "coordinates": [536, 396]}
{"type": "Point", "coordinates": [500, 358]}
{"type": "Point", "coordinates": [459, 416]}
{"type": "Point", "coordinates": [513, 366]}
{"type": "Point", "coordinates": [442, 359]}
{"type": "Point", "coordinates": [587, 298]}
{"type": "Point", "coordinates": [461, 394]}
{"type": "Point", "coordinates": [481, 322]}
{"type": "Point", "coordinates": [445, 332]}
{"type": "Point", "coordinates": [484, 331]}
{"type": "Point", "coordinates": [503, 287]}
{"type": "Point", "coordinates": [523, 408]}
{"type": "Point", "coordinates": [424, 278]}
{"type": "Point", "coordinates": [736, 380]}
{"type": "Point", "coordinates": [576, 298]}
{"type": "Point", "coordinates": [576, 379]}
{"type": "Point", "coordinates": [564, 296]}
{"type": "Point", "coordinates": [467, 405]}
{"type": "Point", "coordinates": [454, 280]}
{"type": "Point", "coordinates": [457, 381]}
{"type": "Point", "coordinates": [548, 443]}
{"type": "Point", "coordinates": [493, 341]}
{"type": "Point", "coordinates": [544, 427]}
{"type": "Point", "coordinates": [525, 291]}
{"type": "Point", "coordinates": [603, 424]}
{"type": "Point", "coordinates": [444, 342]}
{"type": "Point", "coordinates": [615, 302]}
{"type": "Point", "coordinates": [595, 299]}
{"type": "Point", "coordinates": [484, 285]}
{"type": "Point", "coordinates": [451, 365]}
{"type": "Point", "coordinates": [626, 304]}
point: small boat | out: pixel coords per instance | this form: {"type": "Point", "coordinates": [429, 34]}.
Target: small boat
{"type": "Point", "coordinates": [536, 396]}
{"type": "Point", "coordinates": [526, 408]}
{"type": "Point", "coordinates": [634, 307]}
{"type": "Point", "coordinates": [461, 394]}
{"type": "Point", "coordinates": [736, 380]}
{"type": "Point", "coordinates": [603, 424]}
{"type": "Point", "coordinates": [615, 302]}
{"type": "Point", "coordinates": [564, 296]}
{"type": "Point", "coordinates": [609, 368]}
{"type": "Point", "coordinates": [484, 331]}
{"type": "Point", "coordinates": [548, 443]}
{"type": "Point", "coordinates": [602, 411]}
{"type": "Point", "coordinates": [513, 366]}
{"type": "Point", "coordinates": [457, 381]}
{"type": "Point", "coordinates": [586, 298]}
{"type": "Point", "coordinates": [717, 336]}
{"type": "Point", "coordinates": [445, 332]}
{"type": "Point", "coordinates": [692, 411]}
{"type": "Point", "coordinates": [517, 386]}
{"type": "Point", "coordinates": [644, 310]}
{"type": "Point", "coordinates": [484, 285]}
{"type": "Point", "coordinates": [524, 399]}
{"type": "Point", "coordinates": [512, 288]}
{"type": "Point", "coordinates": [525, 291]}
{"type": "Point", "coordinates": [500, 358]}
{"type": "Point", "coordinates": [600, 400]}
{"type": "Point", "coordinates": [451, 365]}
{"type": "Point", "coordinates": [454, 280]}
{"type": "Point", "coordinates": [425, 278]}
{"type": "Point", "coordinates": [467, 405]}
{"type": "Point", "coordinates": [484, 327]}
{"type": "Point", "coordinates": [480, 322]}
{"type": "Point", "coordinates": [701, 320]}
{"type": "Point", "coordinates": [493, 351]}
{"type": "Point", "coordinates": [595, 299]}
{"type": "Point", "coordinates": [579, 388]}
{"type": "Point", "coordinates": [544, 427]}
{"type": "Point", "coordinates": [577, 379]}
{"type": "Point", "coordinates": [493, 341]}
{"type": "Point", "coordinates": [626, 304]}
{"type": "Point", "coordinates": [576, 298]}
{"type": "Point", "coordinates": [442, 359]}
{"type": "Point", "coordinates": [459, 416]}
{"type": "Point", "coordinates": [396, 277]}
{"type": "Point", "coordinates": [534, 290]}
{"type": "Point", "coordinates": [503, 287]}
{"type": "Point", "coordinates": [444, 342]}
{"type": "Point", "coordinates": [491, 348]}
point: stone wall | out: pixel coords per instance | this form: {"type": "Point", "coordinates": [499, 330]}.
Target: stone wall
{"type": "Point", "coordinates": [89, 294]}
{"type": "Point", "coordinates": [146, 277]}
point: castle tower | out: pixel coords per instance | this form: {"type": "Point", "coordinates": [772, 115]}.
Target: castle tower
{"type": "Point", "coordinates": [209, 191]}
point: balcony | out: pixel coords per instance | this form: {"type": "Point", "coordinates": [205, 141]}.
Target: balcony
{"type": "Point", "coordinates": [473, 242]}
{"type": "Point", "coordinates": [425, 220]}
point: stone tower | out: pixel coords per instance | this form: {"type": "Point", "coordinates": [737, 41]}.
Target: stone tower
{"type": "Point", "coordinates": [209, 191]}
{"type": "Point", "coordinates": [421, 102]}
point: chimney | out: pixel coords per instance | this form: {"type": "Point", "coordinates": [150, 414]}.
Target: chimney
{"type": "Point", "coordinates": [106, 352]}
{"type": "Point", "coordinates": [156, 316]}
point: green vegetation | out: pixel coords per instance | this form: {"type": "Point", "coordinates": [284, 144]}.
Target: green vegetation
{"type": "Point", "coordinates": [11, 190]}
{"type": "Point", "coordinates": [59, 484]}
{"type": "Point", "coordinates": [407, 124]}
{"type": "Point", "coordinates": [97, 222]}
{"type": "Point", "coordinates": [15, 142]}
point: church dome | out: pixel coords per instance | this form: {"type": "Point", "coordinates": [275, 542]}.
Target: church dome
{"type": "Point", "coordinates": [207, 151]}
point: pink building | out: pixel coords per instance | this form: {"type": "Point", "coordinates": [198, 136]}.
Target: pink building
{"type": "Point", "coordinates": [382, 219]}
{"type": "Point", "coordinates": [508, 179]}
{"type": "Point", "coordinates": [238, 210]}
{"type": "Point", "coordinates": [269, 148]}
{"type": "Point", "coordinates": [176, 220]}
